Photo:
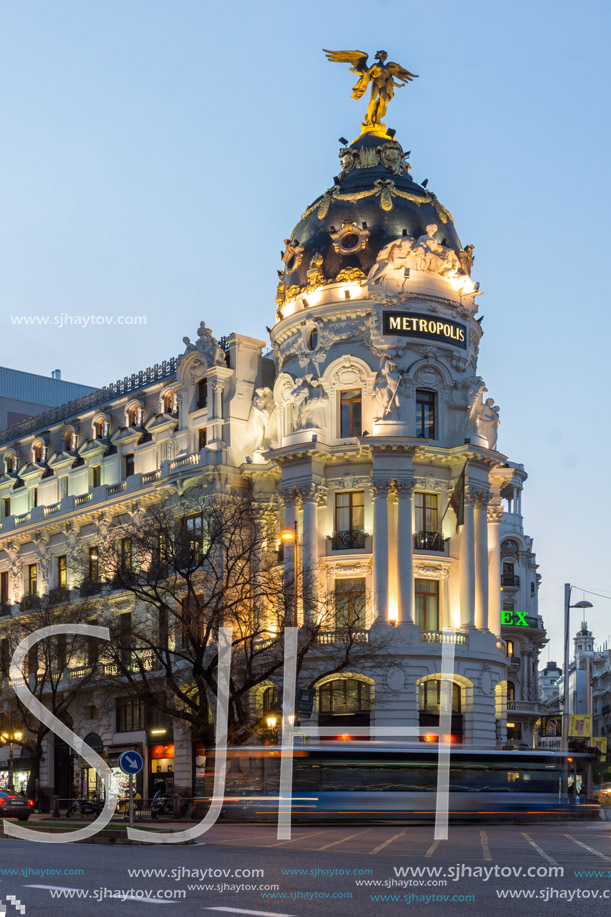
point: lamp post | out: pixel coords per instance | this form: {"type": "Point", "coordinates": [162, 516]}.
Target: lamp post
{"type": "Point", "coordinates": [14, 736]}
{"type": "Point", "coordinates": [287, 536]}
{"type": "Point", "coordinates": [565, 711]}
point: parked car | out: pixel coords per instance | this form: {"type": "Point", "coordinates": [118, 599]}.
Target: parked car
{"type": "Point", "coordinates": [14, 806]}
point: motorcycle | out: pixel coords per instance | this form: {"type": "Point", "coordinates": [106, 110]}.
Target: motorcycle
{"type": "Point", "coordinates": [168, 806]}
{"type": "Point", "coordinates": [84, 807]}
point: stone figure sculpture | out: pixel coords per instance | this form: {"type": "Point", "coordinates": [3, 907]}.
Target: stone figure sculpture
{"type": "Point", "coordinates": [386, 391]}
{"type": "Point", "coordinates": [381, 76]}
{"type": "Point", "coordinates": [260, 414]}
{"type": "Point", "coordinates": [207, 345]}
{"type": "Point", "coordinates": [389, 276]}
{"type": "Point", "coordinates": [309, 403]}
{"type": "Point", "coordinates": [488, 422]}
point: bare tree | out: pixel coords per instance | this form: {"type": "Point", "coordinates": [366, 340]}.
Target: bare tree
{"type": "Point", "coordinates": [194, 565]}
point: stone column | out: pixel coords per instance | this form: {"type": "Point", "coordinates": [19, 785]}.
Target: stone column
{"type": "Point", "coordinates": [380, 490]}
{"type": "Point", "coordinates": [467, 565]}
{"type": "Point", "coordinates": [495, 514]}
{"type": "Point", "coordinates": [405, 553]}
{"type": "Point", "coordinates": [481, 561]}
{"type": "Point", "coordinates": [311, 496]}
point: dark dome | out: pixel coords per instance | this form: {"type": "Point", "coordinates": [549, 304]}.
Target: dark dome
{"type": "Point", "coordinates": [373, 202]}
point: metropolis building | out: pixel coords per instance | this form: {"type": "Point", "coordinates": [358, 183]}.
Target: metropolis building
{"type": "Point", "coordinates": [355, 428]}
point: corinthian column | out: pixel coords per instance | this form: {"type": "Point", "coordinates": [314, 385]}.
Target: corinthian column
{"type": "Point", "coordinates": [405, 555]}
{"type": "Point", "coordinates": [380, 490]}
{"type": "Point", "coordinates": [311, 496]}
{"type": "Point", "coordinates": [495, 514]}
{"type": "Point", "coordinates": [481, 560]}
{"type": "Point", "coordinates": [467, 565]}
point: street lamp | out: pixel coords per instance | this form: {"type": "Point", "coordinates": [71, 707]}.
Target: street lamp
{"type": "Point", "coordinates": [11, 737]}
{"type": "Point", "coordinates": [565, 712]}
{"type": "Point", "coordinates": [287, 536]}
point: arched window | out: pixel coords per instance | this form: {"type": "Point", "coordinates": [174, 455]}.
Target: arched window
{"type": "Point", "coordinates": [430, 696]}
{"type": "Point", "coordinates": [511, 691]}
{"type": "Point", "coordinates": [100, 428]}
{"type": "Point", "coordinates": [344, 695]}
{"type": "Point", "coordinates": [11, 463]}
{"type": "Point", "coordinates": [510, 648]}
{"type": "Point", "coordinates": [39, 451]}
{"type": "Point", "coordinates": [133, 416]}
{"type": "Point", "coordinates": [69, 441]}
{"type": "Point", "coordinates": [170, 403]}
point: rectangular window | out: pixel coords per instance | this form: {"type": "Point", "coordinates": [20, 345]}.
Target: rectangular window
{"type": "Point", "coordinates": [34, 497]}
{"type": "Point", "coordinates": [349, 520]}
{"type": "Point", "coordinates": [425, 414]}
{"type": "Point", "coordinates": [194, 536]}
{"type": "Point", "coordinates": [202, 393]}
{"type": "Point", "coordinates": [93, 648]}
{"type": "Point", "coordinates": [5, 657]}
{"type": "Point", "coordinates": [4, 587]}
{"type": "Point", "coordinates": [130, 464]}
{"type": "Point", "coordinates": [31, 580]}
{"type": "Point", "coordinates": [62, 572]}
{"type": "Point", "coordinates": [426, 512]}
{"type": "Point", "coordinates": [427, 604]}
{"type": "Point", "coordinates": [63, 487]}
{"type": "Point", "coordinates": [130, 714]}
{"type": "Point", "coordinates": [61, 653]}
{"type": "Point", "coordinates": [6, 507]}
{"type": "Point", "coordinates": [96, 476]}
{"type": "Point", "coordinates": [31, 661]}
{"type": "Point", "coordinates": [350, 404]}
{"type": "Point", "coordinates": [94, 565]}
{"type": "Point", "coordinates": [202, 438]}
{"type": "Point", "coordinates": [350, 604]}
{"type": "Point", "coordinates": [125, 637]}
{"type": "Point", "coordinates": [125, 554]}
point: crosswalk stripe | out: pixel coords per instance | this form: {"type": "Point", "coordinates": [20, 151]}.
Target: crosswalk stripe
{"type": "Point", "coordinates": [538, 849]}
{"type": "Point", "coordinates": [485, 847]}
{"type": "Point", "coordinates": [342, 840]}
{"type": "Point", "coordinates": [591, 849]}
{"type": "Point", "coordinates": [389, 841]}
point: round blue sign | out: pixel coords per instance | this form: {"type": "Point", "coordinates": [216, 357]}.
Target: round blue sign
{"type": "Point", "coordinates": [131, 762]}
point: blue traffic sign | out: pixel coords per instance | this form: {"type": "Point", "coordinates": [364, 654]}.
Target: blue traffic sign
{"type": "Point", "coordinates": [131, 762]}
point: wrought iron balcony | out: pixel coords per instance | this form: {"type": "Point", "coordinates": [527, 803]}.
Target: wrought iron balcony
{"type": "Point", "coordinates": [59, 595]}
{"type": "Point", "coordinates": [347, 541]}
{"type": "Point", "coordinates": [30, 601]}
{"type": "Point", "coordinates": [510, 579]}
{"type": "Point", "coordinates": [429, 541]}
{"type": "Point", "coordinates": [90, 587]}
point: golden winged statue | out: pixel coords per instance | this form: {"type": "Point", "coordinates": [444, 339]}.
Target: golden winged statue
{"type": "Point", "coordinates": [382, 76]}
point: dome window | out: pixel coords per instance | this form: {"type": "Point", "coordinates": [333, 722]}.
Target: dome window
{"type": "Point", "coordinates": [313, 338]}
{"type": "Point", "coordinates": [350, 238]}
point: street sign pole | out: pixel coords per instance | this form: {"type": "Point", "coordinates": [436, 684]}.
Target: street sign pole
{"type": "Point", "coordinates": [131, 801]}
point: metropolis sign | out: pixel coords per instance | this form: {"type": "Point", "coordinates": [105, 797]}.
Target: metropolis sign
{"type": "Point", "coordinates": [413, 324]}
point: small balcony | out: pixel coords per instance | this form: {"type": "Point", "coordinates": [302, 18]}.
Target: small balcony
{"type": "Point", "coordinates": [90, 587]}
{"type": "Point", "coordinates": [28, 602]}
{"type": "Point", "coordinates": [429, 541]}
{"type": "Point", "coordinates": [510, 581]}
{"type": "Point", "coordinates": [347, 541]}
{"type": "Point", "coordinates": [59, 595]}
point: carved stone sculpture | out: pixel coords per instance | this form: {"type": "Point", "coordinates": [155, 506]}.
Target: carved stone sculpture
{"type": "Point", "coordinates": [260, 414]}
{"type": "Point", "coordinates": [309, 403]}
{"type": "Point", "coordinates": [387, 393]}
{"type": "Point", "coordinates": [388, 277]}
{"type": "Point", "coordinates": [488, 422]}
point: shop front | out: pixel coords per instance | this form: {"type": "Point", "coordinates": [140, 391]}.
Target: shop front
{"type": "Point", "coordinates": [161, 764]}
{"type": "Point", "coordinates": [119, 782]}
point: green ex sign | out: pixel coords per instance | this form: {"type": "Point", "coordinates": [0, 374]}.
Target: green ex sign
{"type": "Point", "coordinates": [517, 618]}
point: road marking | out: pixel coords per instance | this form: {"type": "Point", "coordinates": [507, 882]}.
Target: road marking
{"type": "Point", "coordinates": [432, 848]}
{"type": "Point", "coordinates": [538, 849]}
{"type": "Point", "coordinates": [342, 840]}
{"type": "Point", "coordinates": [293, 839]}
{"type": "Point", "coordinates": [485, 847]}
{"type": "Point", "coordinates": [591, 849]}
{"type": "Point", "coordinates": [239, 910]}
{"type": "Point", "coordinates": [386, 843]}
{"type": "Point", "coordinates": [65, 888]}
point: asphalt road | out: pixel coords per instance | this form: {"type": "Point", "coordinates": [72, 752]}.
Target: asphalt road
{"type": "Point", "coordinates": [403, 862]}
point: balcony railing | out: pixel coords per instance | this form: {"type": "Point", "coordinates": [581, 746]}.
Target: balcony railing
{"type": "Point", "coordinates": [524, 706]}
{"type": "Point", "coordinates": [90, 587]}
{"type": "Point", "coordinates": [437, 636]}
{"type": "Point", "coordinates": [429, 541]}
{"type": "Point", "coordinates": [327, 637]}
{"type": "Point", "coordinates": [59, 595]}
{"type": "Point", "coordinates": [30, 601]}
{"type": "Point", "coordinates": [347, 541]}
{"type": "Point", "coordinates": [510, 579]}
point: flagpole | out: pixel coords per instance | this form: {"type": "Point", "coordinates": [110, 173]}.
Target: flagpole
{"type": "Point", "coordinates": [450, 500]}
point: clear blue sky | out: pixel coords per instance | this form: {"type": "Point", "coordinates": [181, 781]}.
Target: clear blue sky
{"type": "Point", "coordinates": [155, 155]}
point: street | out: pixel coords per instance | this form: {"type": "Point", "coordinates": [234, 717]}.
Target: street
{"type": "Point", "coordinates": [344, 870]}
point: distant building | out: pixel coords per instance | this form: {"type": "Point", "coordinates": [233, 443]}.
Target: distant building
{"type": "Point", "coordinates": [550, 682]}
{"type": "Point", "coordinates": [24, 395]}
